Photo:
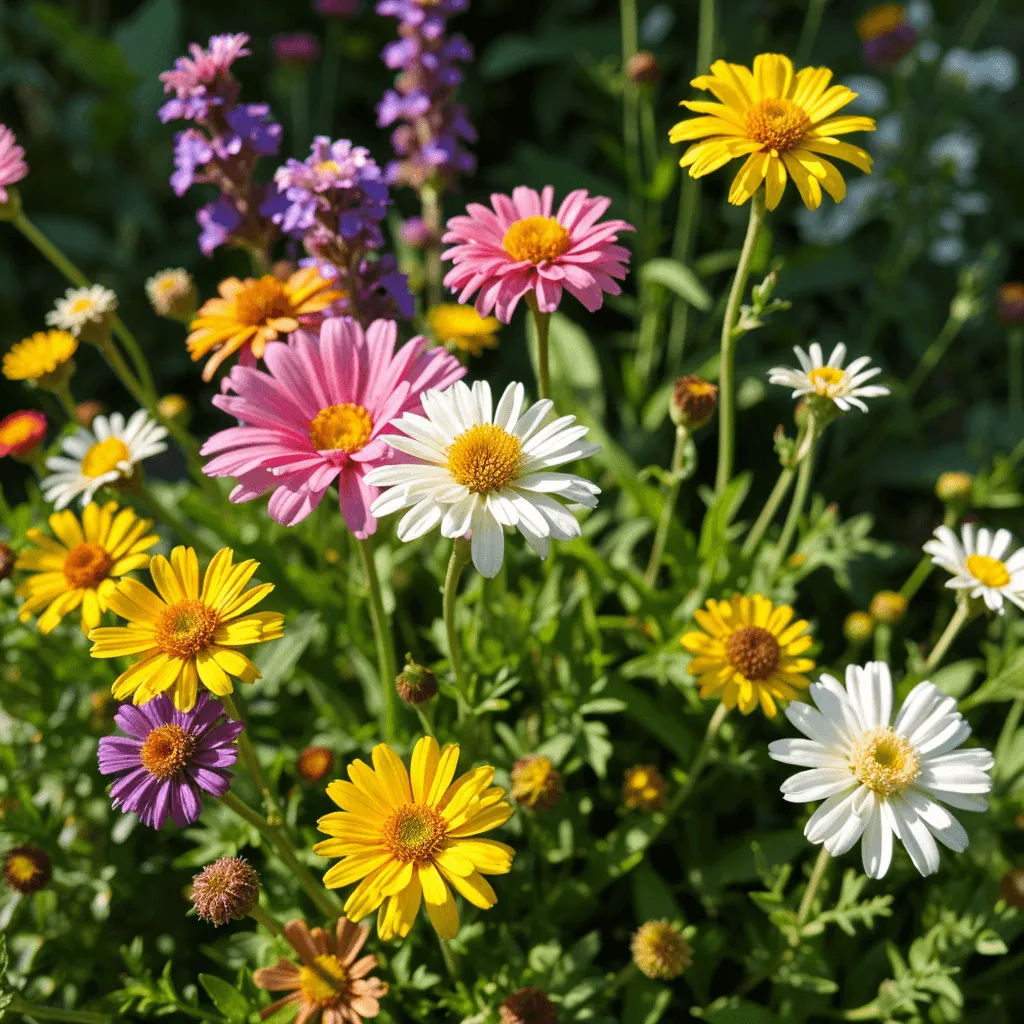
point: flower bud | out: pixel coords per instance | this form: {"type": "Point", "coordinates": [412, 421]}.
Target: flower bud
{"type": "Point", "coordinates": [296, 49]}
{"type": "Point", "coordinates": [1011, 887]}
{"type": "Point", "coordinates": [27, 869]}
{"type": "Point", "coordinates": [225, 890]}
{"type": "Point", "coordinates": [87, 411]}
{"type": "Point", "coordinates": [643, 788]}
{"type": "Point", "coordinates": [858, 627]}
{"type": "Point", "coordinates": [416, 684]}
{"type": "Point", "coordinates": [660, 951]}
{"type": "Point", "coordinates": [173, 294]}
{"type": "Point", "coordinates": [528, 1006]}
{"type": "Point", "coordinates": [315, 763]}
{"type": "Point", "coordinates": [693, 402]}
{"type": "Point", "coordinates": [888, 607]}
{"type": "Point", "coordinates": [6, 560]}
{"type": "Point", "coordinates": [174, 407]}
{"type": "Point", "coordinates": [952, 487]}
{"type": "Point", "coordinates": [1010, 303]}
{"type": "Point", "coordinates": [643, 68]}
{"type": "Point", "coordinates": [417, 234]}
{"type": "Point", "coordinates": [536, 783]}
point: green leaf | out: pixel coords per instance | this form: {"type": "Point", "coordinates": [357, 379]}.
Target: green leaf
{"type": "Point", "coordinates": [652, 897]}
{"type": "Point", "coordinates": [277, 661]}
{"type": "Point", "coordinates": [603, 706]}
{"type": "Point", "coordinates": [225, 997]}
{"type": "Point", "coordinates": [677, 278]}
{"type": "Point", "coordinates": [1007, 684]}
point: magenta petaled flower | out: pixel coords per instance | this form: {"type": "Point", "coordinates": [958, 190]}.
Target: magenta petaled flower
{"type": "Point", "coordinates": [519, 247]}
{"type": "Point", "coordinates": [12, 161]}
{"type": "Point", "coordinates": [318, 415]}
{"type": "Point", "coordinates": [169, 758]}
{"type": "Point", "coordinates": [203, 79]}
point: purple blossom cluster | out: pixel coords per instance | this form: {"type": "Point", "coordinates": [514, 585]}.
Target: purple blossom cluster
{"type": "Point", "coordinates": [335, 201]}
{"type": "Point", "coordinates": [222, 148]}
{"type": "Point", "coordinates": [431, 129]}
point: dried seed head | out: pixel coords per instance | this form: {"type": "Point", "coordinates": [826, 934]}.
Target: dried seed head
{"type": "Point", "coordinates": [415, 684]}
{"type": "Point", "coordinates": [27, 869]}
{"type": "Point", "coordinates": [315, 763]}
{"type": "Point", "coordinates": [536, 783]}
{"type": "Point", "coordinates": [528, 1006]}
{"type": "Point", "coordinates": [660, 951]}
{"type": "Point", "coordinates": [888, 607]}
{"type": "Point", "coordinates": [693, 402]}
{"type": "Point", "coordinates": [225, 890]}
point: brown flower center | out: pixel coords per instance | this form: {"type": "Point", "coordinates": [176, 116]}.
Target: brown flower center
{"type": "Point", "coordinates": [86, 566]}
{"type": "Point", "coordinates": [485, 458]}
{"type": "Point", "coordinates": [186, 628]}
{"type": "Point", "coordinates": [988, 571]}
{"type": "Point", "coordinates": [104, 457]}
{"type": "Point", "coordinates": [346, 427]}
{"type": "Point", "coordinates": [884, 762]}
{"type": "Point", "coordinates": [754, 652]}
{"type": "Point", "coordinates": [414, 832]}
{"type": "Point", "coordinates": [536, 240]}
{"type": "Point", "coordinates": [167, 750]}
{"type": "Point", "coordinates": [779, 125]}
{"type": "Point", "coordinates": [261, 300]}
{"type": "Point", "coordinates": [316, 991]}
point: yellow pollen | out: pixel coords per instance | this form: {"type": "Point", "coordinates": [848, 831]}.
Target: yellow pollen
{"type": "Point", "coordinates": [327, 167]}
{"type": "Point", "coordinates": [186, 628]}
{"type": "Point", "coordinates": [166, 751]}
{"type": "Point", "coordinates": [104, 456]}
{"type": "Point", "coordinates": [86, 566]}
{"type": "Point", "coordinates": [779, 125]}
{"type": "Point", "coordinates": [414, 832]}
{"type": "Point", "coordinates": [22, 869]}
{"type": "Point", "coordinates": [536, 240]}
{"type": "Point", "coordinates": [345, 428]}
{"type": "Point", "coordinates": [989, 571]}
{"type": "Point", "coordinates": [485, 458]}
{"type": "Point", "coordinates": [261, 300]}
{"type": "Point", "coordinates": [825, 379]}
{"type": "Point", "coordinates": [314, 986]}
{"type": "Point", "coordinates": [754, 652]}
{"type": "Point", "coordinates": [884, 762]}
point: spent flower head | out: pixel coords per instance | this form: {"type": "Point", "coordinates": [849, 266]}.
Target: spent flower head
{"type": "Point", "coordinates": [888, 607]}
{"type": "Point", "coordinates": [693, 402]}
{"type": "Point", "coordinates": [315, 763]}
{"type": "Point", "coordinates": [528, 1006]}
{"type": "Point", "coordinates": [416, 684]}
{"type": "Point", "coordinates": [173, 294]}
{"type": "Point", "coordinates": [660, 950]}
{"type": "Point", "coordinates": [225, 890]}
{"type": "Point", "coordinates": [27, 869]}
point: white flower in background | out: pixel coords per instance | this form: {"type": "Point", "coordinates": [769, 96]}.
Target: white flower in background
{"type": "Point", "coordinates": [995, 68]}
{"type": "Point", "coordinates": [828, 225]}
{"type": "Point", "coordinates": [947, 250]}
{"type": "Point", "coordinates": [888, 134]}
{"type": "Point", "coordinates": [845, 387]}
{"type": "Point", "coordinates": [957, 151]}
{"type": "Point", "coordinates": [480, 471]}
{"type": "Point", "coordinates": [971, 203]}
{"type": "Point", "coordinates": [872, 94]}
{"type": "Point", "coordinates": [81, 307]}
{"type": "Point", "coordinates": [108, 452]}
{"type": "Point", "coordinates": [978, 563]}
{"type": "Point", "coordinates": [880, 780]}
{"type": "Point", "coordinates": [919, 13]}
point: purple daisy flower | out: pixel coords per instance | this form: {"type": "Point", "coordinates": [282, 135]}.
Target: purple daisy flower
{"type": "Point", "coordinates": [169, 758]}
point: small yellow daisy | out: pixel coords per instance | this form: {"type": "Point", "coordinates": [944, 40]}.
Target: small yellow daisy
{"type": "Point", "coordinates": [462, 327]}
{"type": "Point", "coordinates": [750, 650]}
{"type": "Point", "coordinates": [40, 357]}
{"type": "Point", "coordinates": [82, 566]}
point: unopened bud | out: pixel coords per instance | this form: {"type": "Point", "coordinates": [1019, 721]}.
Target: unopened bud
{"type": "Point", "coordinates": [225, 890]}
{"type": "Point", "coordinates": [27, 869]}
{"type": "Point", "coordinates": [536, 783]}
{"type": "Point", "coordinates": [175, 407]}
{"type": "Point", "coordinates": [315, 763]}
{"type": "Point", "coordinates": [1011, 887]}
{"type": "Point", "coordinates": [6, 560]}
{"type": "Point", "coordinates": [693, 402]}
{"type": "Point", "coordinates": [1010, 303]}
{"type": "Point", "coordinates": [643, 68]}
{"type": "Point", "coordinates": [528, 1006]}
{"type": "Point", "coordinates": [87, 411]}
{"type": "Point", "coordinates": [173, 294]}
{"type": "Point", "coordinates": [417, 233]}
{"type": "Point", "coordinates": [416, 684]}
{"type": "Point", "coordinates": [952, 487]}
{"type": "Point", "coordinates": [858, 627]}
{"type": "Point", "coordinates": [660, 951]}
{"type": "Point", "coordinates": [888, 607]}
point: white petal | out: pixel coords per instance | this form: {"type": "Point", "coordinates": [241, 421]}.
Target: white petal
{"type": "Point", "coordinates": [811, 722]}
{"type": "Point", "coordinates": [807, 753]}
{"type": "Point", "coordinates": [817, 784]}
{"type": "Point", "coordinates": [829, 817]}
{"type": "Point", "coordinates": [914, 835]}
{"type": "Point", "coordinates": [458, 519]}
{"type": "Point", "coordinates": [419, 520]}
{"type": "Point", "coordinates": [940, 822]}
{"type": "Point", "coordinates": [511, 402]}
{"type": "Point", "coordinates": [876, 850]}
{"type": "Point", "coordinates": [488, 543]}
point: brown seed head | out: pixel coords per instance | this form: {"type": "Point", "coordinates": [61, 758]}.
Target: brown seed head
{"type": "Point", "coordinates": [643, 68]}
{"type": "Point", "coordinates": [528, 1006]}
{"type": "Point", "coordinates": [314, 763]}
{"type": "Point", "coordinates": [660, 951]}
{"type": "Point", "coordinates": [27, 869]}
{"type": "Point", "coordinates": [888, 607]}
{"type": "Point", "coordinates": [416, 684]}
{"type": "Point", "coordinates": [6, 560]}
{"type": "Point", "coordinates": [693, 402]}
{"type": "Point", "coordinates": [536, 783]}
{"type": "Point", "coordinates": [225, 890]}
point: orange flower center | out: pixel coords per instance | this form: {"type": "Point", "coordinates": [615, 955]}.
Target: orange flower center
{"type": "Point", "coordinates": [261, 300]}
{"type": "Point", "coordinates": [485, 458]}
{"type": "Point", "coordinates": [414, 832]}
{"type": "Point", "coordinates": [825, 378]}
{"type": "Point", "coordinates": [346, 427]}
{"type": "Point", "coordinates": [536, 240]}
{"type": "Point", "coordinates": [779, 125]}
{"type": "Point", "coordinates": [884, 762]}
{"type": "Point", "coordinates": [989, 571]}
{"type": "Point", "coordinates": [104, 457]}
{"type": "Point", "coordinates": [754, 652]}
{"type": "Point", "coordinates": [166, 750]}
{"type": "Point", "coordinates": [186, 628]}
{"type": "Point", "coordinates": [86, 566]}
{"type": "Point", "coordinates": [315, 989]}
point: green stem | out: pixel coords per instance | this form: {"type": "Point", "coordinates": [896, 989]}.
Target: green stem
{"type": "Point", "coordinates": [67, 402]}
{"type": "Point", "coordinates": [882, 641]}
{"type": "Point", "coordinates": [955, 624]}
{"type": "Point", "coordinates": [869, 1011]}
{"type": "Point", "coordinates": [630, 131]}
{"type": "Point", "coordinates": [1015, 369]}
{"type": "Point", "coordinates": [649, 131]}
{"type": "Point", "coordinates": [260, 916]}
{"type": "Point", "coordinates": [809, 32]}
{"type": "Point", "coordinates": [978, 20]}
{"type": "Point", "coordinates": [620, 980]}
{"type": "Point", "coordinates": [460, 557]}
{"type": "Point", "coordinates": [727, 396]}
{"type": "Point", "coordinates": [767, 514]}
{"type": "Point", "coordinates": [1008, 732]}
{"type": "Point", "coordinates": [384, 640]}
{"type": "Point", "coordinates": [451, 963]}
{"type": "Point", "coordinates": [430, 203]}
{"type": "Point", "coordinates": [331, 61]}
{"type": "Point", "coordinates": [136, 355]}
{"type": "Point", "coordinates": [298, 97]}
{"type": "Point", "coordinates": [933, 355]}
{"type": "Point", "coordinates": [247, 751]}
{"type": "Point", "coordinates": [923, 569]}
{"type": "Point", "coordinates": [541, 323]}
{"type": "Point", "coordinates": [796, 507]}
{"type": "Point", "coordinates": [817, 874]}
{"type": "Point", "coordinates": [23, 1006]}
{"type": "Point", "coordinates": [667, 507]}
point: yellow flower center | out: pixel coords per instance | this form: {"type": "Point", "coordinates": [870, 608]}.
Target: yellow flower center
{"type": "Point", "coordinates": [485, 458]}
{"type": "Point", "coordinates": [644, 788]}
{"type": "Point", "coordinates": [345, 428]}
{"type": "Point", "coordinates": [536, 240]}
{"type": "Point", "coordinates": [186, 628]}
{"type": "Point", "coordinates": [989, 571]}
{"type": "Point", "coordinates": [452, 322]}
{"type": "Point", "coordinates": [825, 378]}
{"type": "Point", "coordinates": [82, 304]}
{"type": "Point", "coordinates": [779, 125]}
{"type": "Point", "coordinates": [261, 300]}
{"type": "Point", "coordinates": [18, 431]}
{"type": "Point", "coordinates": [327, 167]}
{"type": "Point", "coordinates": [86, 566]}
{"type": "Point", "coordinates": [104, 457]}
{"type": "Point", "coordinates": [315, 989]}
{"type": "Point", "coordinates": [754, 652]}
{"type": "Point", "coordinates": [414, 832]}
{"type": "Point", "coordinates": [21, 868]}
{"type": "Point", "coordinates": [166, 750]}
{"type": "Point", "coordinates": [884, 762]}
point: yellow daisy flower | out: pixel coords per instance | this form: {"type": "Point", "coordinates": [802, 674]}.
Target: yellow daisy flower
{"type": "Point", "coordinates": [781, 122]}
{"type": "Point", "coordinates": [750, 650]}
{"type": "Point", "coordinates": [187, 634]}
{"type": "Point", "coordinates": [252, 312]}
{"type": "Point", "coordinates": [462, 327]}
{"type": "Point", "coordinates": [82, 565]}
{"type": "Point", "coordinates": [40, 357]}
{"type": "Point", "coordinates": [406, 836]}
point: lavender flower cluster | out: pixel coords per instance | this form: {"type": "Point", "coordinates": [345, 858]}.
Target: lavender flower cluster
{"type": "Point", "coordinates": [431, 129]}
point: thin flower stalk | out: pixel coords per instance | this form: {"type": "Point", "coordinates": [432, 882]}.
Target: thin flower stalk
{"type": "Point", "coordinates": [383, 639]}
{"type": "Point", "coordinates": [949, 634]}
{"type": "Point", "coordinates": [668, 506]}
{"type": "Point", "coordinates": [460, 558]}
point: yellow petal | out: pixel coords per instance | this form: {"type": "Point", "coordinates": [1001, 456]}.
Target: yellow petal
{"type": "Point", "coordinates": [445, 916]}
{"type": "Point", "coordinates": [166, 579]}
{"type": "Point", "coordinates": [423, 766]}
{"type": "Point", "coordinates": [353, 868]}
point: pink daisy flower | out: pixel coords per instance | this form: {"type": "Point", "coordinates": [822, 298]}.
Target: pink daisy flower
{"type": "Point", "coordinates": [319, 413]}
{"type": "Point", "coordinates": [12, 161]}
{"type": "Point", "coordinates": [519, 247]}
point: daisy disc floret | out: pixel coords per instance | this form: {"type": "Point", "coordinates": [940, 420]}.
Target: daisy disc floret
{"type": "Point", "coordinates": [980, 564]}
{"type": "Point", "coordinates": [410, 836]}
{"type": "Point", "coordinates": [480, 469]}
{"type": "Point", "coordinates": [319, 414]}
{"type": "Point", "coordinates": [169, 758]}
{"type": "Point", "coordinates": [80, 565]}
{"type": "Point", "coordinates": [522, 246]}
{"type": "Point", "coordinates": [82, 308]}
{"type": "Point", "coordinates": [783, 123]}
{"type": "Point", "coordinates": [41, 357]}
{"type": "Point", "coordinates": [100, 456]}
{"type": "Point", "coordinates": [188, 631]}
{"type": "Point", "coordinates": [751, 651]}
{"type": "Point", "coordinates": [829, 381]}
{"type": "Point", "coordinates": [881, 778]}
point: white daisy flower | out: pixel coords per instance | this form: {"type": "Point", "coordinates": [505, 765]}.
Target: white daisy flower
{"type": "Point", "coordinates": [979, 564]}
{"type": "Point", "coordinates": [107, 452]}
{"type": "Point", "coordinates": [480, 471]}
{"type": "Point", "coordinates": [829, 380]}
{"type": "Point", "coordinates": [81, 307]}
{"type": "Point", "coordinates": [880, 780]}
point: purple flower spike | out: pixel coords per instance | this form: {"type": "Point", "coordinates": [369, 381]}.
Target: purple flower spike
{"type": "Point", "coordinates": [169, 758]}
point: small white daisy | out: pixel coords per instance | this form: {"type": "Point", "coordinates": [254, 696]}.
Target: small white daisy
{"type": "Point", "coordinates": [479, 472]}
{"type": "Point", "coordinates": [81, 307]}
{"type": "Point", "coordinates": [101, 455]}
{"type": "Point", "coordinates": [880, 780]}
{"type": "Point", "coordinates": [829, 380]}
{"type": "Point", "coordinates": [979, 565]}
